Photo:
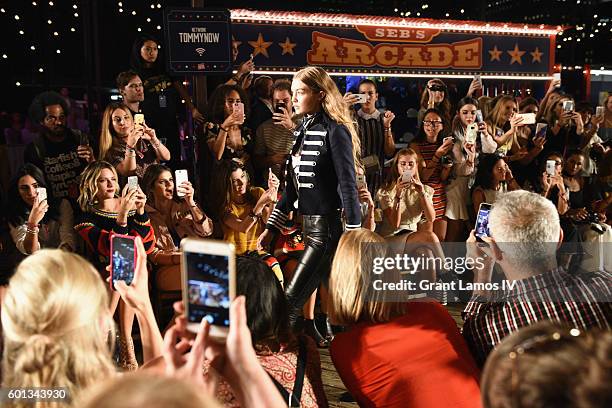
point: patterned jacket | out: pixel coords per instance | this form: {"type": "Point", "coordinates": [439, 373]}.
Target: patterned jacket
{"type": "Point", "coordinates": [320, 174]}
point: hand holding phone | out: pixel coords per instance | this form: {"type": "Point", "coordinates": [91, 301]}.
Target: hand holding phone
{"type": "Point", "coordinates": [471, 132]}
{"type": "Point", "coordinates": [599, 111]}
{"type": "Point", "coordinates": [179, 177]}
{"type": "Point", "coordinates": [568, 106]}
{"type": "Point", "coordinates": [361, 98]}
{"type": "Point", "coordinates": [208, 270]}
{"type": "Point", "coordinates": [407, 175]}
{"type": "Point", "coordinates": [528, 118]}
{"type": "Point", "coordinates": [123, 259]}
{"type": "Point", "coordinates": [479, 117]}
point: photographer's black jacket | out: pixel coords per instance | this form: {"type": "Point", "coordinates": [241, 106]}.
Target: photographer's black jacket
{"type": "Point", "coordinates": [324, 180]}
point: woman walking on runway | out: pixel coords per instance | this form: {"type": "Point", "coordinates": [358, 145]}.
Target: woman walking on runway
{"type": "Point", "coordinates": [321, 182]}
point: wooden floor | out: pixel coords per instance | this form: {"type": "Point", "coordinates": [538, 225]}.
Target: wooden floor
{"type": "Point", "coordinates": [332, 383]}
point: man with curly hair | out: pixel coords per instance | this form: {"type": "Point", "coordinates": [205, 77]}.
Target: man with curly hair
{"type": "Point", "coordinates": [61, 153]}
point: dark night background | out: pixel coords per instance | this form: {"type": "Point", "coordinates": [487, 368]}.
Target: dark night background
{"type": "Point", "coordinates": [112, 25]}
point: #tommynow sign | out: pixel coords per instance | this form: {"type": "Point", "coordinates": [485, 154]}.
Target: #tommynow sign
{"type": "Point", "coordinates": [198, 40]}
{"type": "Point", "coordinates": [285, 41]}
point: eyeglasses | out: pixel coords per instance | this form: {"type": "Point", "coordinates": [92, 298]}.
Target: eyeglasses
{"type": "Point", "coordinates": [432, 123]}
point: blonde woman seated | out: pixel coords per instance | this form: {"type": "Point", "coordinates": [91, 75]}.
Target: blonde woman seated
{"type": "Point", "coordinates": [172, 219]}
{"type": "Point", "coordinates": [56, 323]}
{"type": "Point", "coordinates": [246, 209]}
{"type": "Point", "coordinates": [394, 353]}
{"type": "Point", "coordinates": [405, 202]}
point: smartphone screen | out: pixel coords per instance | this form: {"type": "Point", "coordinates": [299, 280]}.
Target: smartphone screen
{"type": "Point", "coordinates": [599, 111]}
{"type": "Point", "coordinates": [179, 177]}
{"type": "Point", "coordinates": [479, 117]}
{"type": "Point", "coordinates": [361, 181]}
{"type": "Point", "coordinates": [482, 221]}
{"type": "Point", "coordinates": [279, 108]}
{"type": "Point", "coordinates": [550, 167]}
{"type": "Point", "coordinates": [132, 183]}
{"type": "Point", "coordinates": [41, 194]}
{"type": "Point", "coordinates": [568, 106]}
{"type": "Point", "coordinates": [139, 118]}
{"type": "Point", "coordinates": [123, 261]}
{"type": "Point", "coordinates": [541, 130]}
{"type": "Point", "coordinates": [208, 290]}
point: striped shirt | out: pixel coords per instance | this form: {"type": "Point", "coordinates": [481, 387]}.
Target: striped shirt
{"type": "Point", "coordinates": [579, 300]}
{"type": "Point", "coordinates": [372, 137]}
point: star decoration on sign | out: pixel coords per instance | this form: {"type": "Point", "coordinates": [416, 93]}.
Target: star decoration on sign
{"type": "Point", "coordinates": [260, 46]}
{"type": "Point", "coordinates": [536, 55]}
{"type": "Point", "coordinates": [495, 54]}
{"type": "Point", "coordinates": [287, 46]}
{"type": "Point", "coordinates": [516, 55]}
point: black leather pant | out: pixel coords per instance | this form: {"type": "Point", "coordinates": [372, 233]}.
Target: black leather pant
{"type": "Point", "coordinates": [321, 236]}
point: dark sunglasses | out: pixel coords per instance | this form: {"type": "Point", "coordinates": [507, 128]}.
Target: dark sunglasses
{"type": "Point", "coordinates": [437, 88]}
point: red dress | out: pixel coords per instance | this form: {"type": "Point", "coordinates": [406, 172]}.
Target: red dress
{"type": "Point", "coordinates": [416, 360]}
{"type": "Point", "coordinates": [427, 151]}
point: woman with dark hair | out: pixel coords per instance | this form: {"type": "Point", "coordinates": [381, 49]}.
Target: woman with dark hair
{"type": "Point", "coordinates": [493, 177]}
{"type": "Point", "coordinates": [226, 135]}
{"type": "Point", "coordinates": [172, 219]}
{"type": "Point", "coordinates": [278, 351]}
{"type": "Point", "coordinates": [433, 147]}
{"type": "Point", "coordinates": [246, 209]}
{"type": "Point", "coordinates": [36, 223]}
{"type": "Point", "coordinates": [435, 96]}
{"type": "Point", "coordinates": [130, 147]}
{"type": "Point", "coordinates": [162, 93]}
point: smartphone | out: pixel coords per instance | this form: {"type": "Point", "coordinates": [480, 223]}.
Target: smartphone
{"type": "Point", "coordinates": [139, 118]}
{"type": "Point", "coordinates": [557, 77]}
{"type": "Point", "coordinates": [362, 98]}
{"type": "Point", "coordinates": [550, 167]}
{"type": "Point", "coordinates": [41, 193]}
{"type": "Point", "coordinates": [407, 175]}
{"type": "Point", "coordinates": [568, 106]}
{"type": "Point", "coordinates": [123, 259]}
{"type": "Point", "coordinates": [599, 111]}
{"type": "Point", "coordinates": [180, 176]}
{"type": "Point", "coordinates": [361, 181]}
{"type": "Point", "coordinates": [528, 118]}
{"type": "Point", "coordinates": [251, 57]}
{"type": "Point", "coordinates": [470, 133]}
{"type": "Point", "coordinates": [279, 109]}
{"type": "Point", "coordinates": [132, 183]}
{"type": "Point", "coordinates": [541, 129]}
{"type": "Point", "coordinates": [482, 221]}
{"type": "Point", "coordinates": [84, 139]}
{"type": "Point", "coordinates": [478, 79]}
{"type": "Point", "coordinates": [239, 110]}
{"type": "Point", "coordinates": [479, 117]}
{"type": "Point", "coordinates": [208, 270]}
{"type": "Point", "coordinates": [448, 138]}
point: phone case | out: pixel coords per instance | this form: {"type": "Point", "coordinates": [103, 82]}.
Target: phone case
{"type": "Point", "coordinates": [139, 118]}
{"type": "Point", "coordinates": [133, 239]}
{"type": "Point", "coordinates": [42, 194]}
{"type": "Point", "coordinates": [132, 183]}
{"type": "Point", "coordinates": [180, 176]}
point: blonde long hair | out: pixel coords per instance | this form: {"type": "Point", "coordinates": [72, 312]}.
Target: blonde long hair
{"type": "Point", "coordinates": [56, 324]}
{"type": "Point", "coordinates": [350, 295]}
{"type": "Point", "coordinates": [107, 132]}
{"type": "Point", "coordinates": [319, 81]}
{"type": "Point", "coordinates": [88, 185]}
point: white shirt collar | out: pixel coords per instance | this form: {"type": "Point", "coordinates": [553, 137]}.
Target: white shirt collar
{"type": "Point", "coordinates": [367, 116]}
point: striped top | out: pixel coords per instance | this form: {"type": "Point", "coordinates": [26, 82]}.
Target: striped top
{"type": "Point", "coordinates": [580, 300]}
{"type": "Point", "coordinates": [372, 137]}
{"type": "Point", "coordinates": [272, 139]}
{"type": "Point", "coordinates": [427, 151]}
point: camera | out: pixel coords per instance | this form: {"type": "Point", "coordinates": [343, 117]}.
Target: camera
{"type": "Point", "coordinates": [437, 88]}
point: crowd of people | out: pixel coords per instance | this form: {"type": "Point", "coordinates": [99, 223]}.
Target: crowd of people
{"type": "Point", "coordinates": [304, 180]}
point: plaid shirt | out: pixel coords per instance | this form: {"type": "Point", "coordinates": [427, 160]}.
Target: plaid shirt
{"type": "Point", "coordinates": [581, 301]}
